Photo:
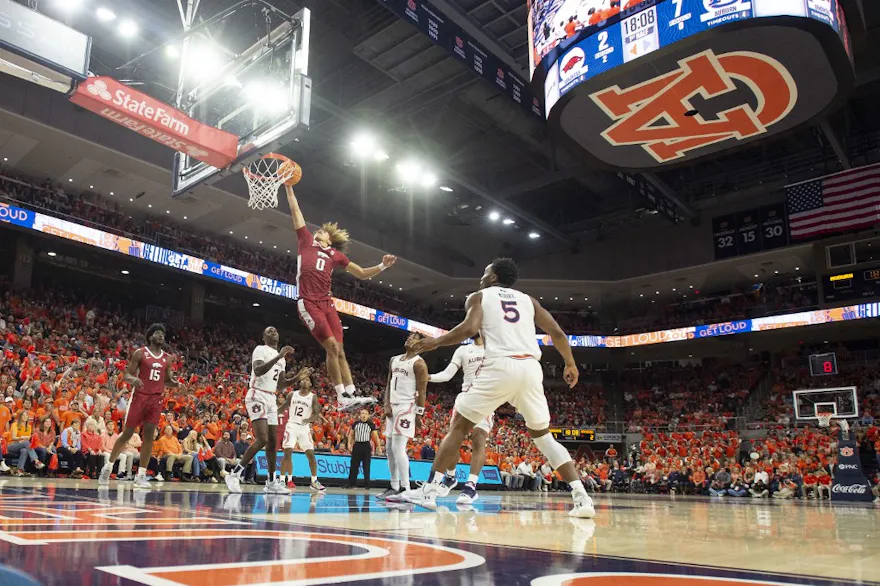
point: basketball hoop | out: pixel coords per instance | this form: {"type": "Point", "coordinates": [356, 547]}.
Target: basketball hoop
{"type": "Point", "coordinates": [265, 175]}
{"type": "Point", "coordinates": [824, 419]}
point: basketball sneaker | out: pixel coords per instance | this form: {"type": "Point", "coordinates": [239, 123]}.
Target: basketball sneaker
{"type": "Point", "coordinates": [446, 485]}
{"type": "Point", "coordinates": [291, 484]}
{"type": "Point", "coordinates": [397, 496]}
{"type": "Point", "coordinates": [386, 493]}
{"type": "Point", "coordinates": [583, 506]}
{"type": "Point", "coordinates": [142, 482]}
{"type": "Point", "coordinates": [317, 486]}
{"type": "Point", "coordinates": [468, 494]}
{"type": "Point", "coordinates": [233, 482]}
{"type": "Point", "coordinates": [425, 496]}
{"type": "Point", "coordinates": [276, 487]}
{"type": "Point", "coordinates": [104, 478]}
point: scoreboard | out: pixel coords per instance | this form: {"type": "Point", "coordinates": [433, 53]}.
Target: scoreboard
{"type": "Point", "coordinates": [855, 284]}
{"type": "Point", "coordinates": [749, 232]}
{"type": "Point", "coordinates": [574, 435]}
{"type": "Point", "coordinates": [654, 24]}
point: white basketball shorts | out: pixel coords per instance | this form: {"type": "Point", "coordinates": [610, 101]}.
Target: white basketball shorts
{"type": "Point", "coordinates": [519, 382]}
{"type": "Point", "coordinates": [402, 420]}
{"type": "Point", "coordinates": [296, 434]}
{"type": "Point", "coordinates": [485, 424]}
{"type": "Point", "coordinates": [261, 405]}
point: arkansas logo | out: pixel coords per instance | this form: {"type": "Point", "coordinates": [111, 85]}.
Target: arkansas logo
{"type": "Point", "coordinates": [846, 451]}
{"type": "Point", "coordinates": [657, 114]}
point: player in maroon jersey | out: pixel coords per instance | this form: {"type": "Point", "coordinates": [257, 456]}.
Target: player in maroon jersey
{"type": "Point", "coordinates": [318, 256]}
{"type": "Point", "coordinates": [148, 372]}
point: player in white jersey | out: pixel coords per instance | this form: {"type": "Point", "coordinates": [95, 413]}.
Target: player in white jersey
{"type": "Point", "coordinates": [468, 358]}
{"type": "Point", "coordinates": [304, 411]}
{"type": "Point", "coordinates": [404, 406]}
{"type": "Point", "coordinates": [267, 376]}
{"type": "Point", "coordinates": [510, 373]}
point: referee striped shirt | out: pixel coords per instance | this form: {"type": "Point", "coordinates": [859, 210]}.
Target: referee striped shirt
{"type": "Point", "coordinates": [363, 430]}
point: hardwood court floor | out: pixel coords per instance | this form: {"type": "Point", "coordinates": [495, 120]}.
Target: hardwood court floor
{"type": "Point", "coordinates": [70, 533]}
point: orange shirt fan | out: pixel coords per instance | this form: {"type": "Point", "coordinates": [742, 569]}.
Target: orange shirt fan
{"type": "Point", "coordinates": [265, 175]}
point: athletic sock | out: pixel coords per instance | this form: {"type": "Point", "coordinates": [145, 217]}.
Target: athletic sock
{"type": "Point", "coordinates": [577, 486]}
{"type": "Point", "coordinates": [142, 472]}
{"type": "Point", "coordinates": [340, 390]}
{"type": "Point", "coordinates": [238, 470]}
{"type": "Point", "coordinates": [314, 479]}
{"type": "Point", "coordinates": [395, 484]}
{"type": "Point", "coordinates": [350, 390]}
{"type": "Point", "coordinates": [473, 478]}
{"type": "Point", "coordinates": [451, 473]}
{"type": "Point", "coordinates": [438, 477]}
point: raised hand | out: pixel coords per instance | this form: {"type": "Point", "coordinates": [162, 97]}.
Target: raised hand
{"type": "Point", "coordinates": [286, 351]}
{"type": "Point", "coordinates": [388, 260]}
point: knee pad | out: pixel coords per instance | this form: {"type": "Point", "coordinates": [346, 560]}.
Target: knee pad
{"type": "Point", "coordinates": [555, 452]}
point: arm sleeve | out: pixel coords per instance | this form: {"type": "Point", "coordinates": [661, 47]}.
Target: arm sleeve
{"type": "Point", "coordinates": [447, 373]}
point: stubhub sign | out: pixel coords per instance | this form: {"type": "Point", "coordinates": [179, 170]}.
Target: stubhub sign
{"type": "Point", "coordinates": [337, 467]}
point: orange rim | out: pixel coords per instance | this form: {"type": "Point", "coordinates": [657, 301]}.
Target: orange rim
{"type": "Point", "coordinates": [275, 156]}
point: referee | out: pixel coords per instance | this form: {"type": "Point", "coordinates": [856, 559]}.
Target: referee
{"type": "Point", "coordinates": [359, 445]}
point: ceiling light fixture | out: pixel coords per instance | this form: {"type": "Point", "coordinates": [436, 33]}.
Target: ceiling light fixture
{"type": "Point", "coordinates": [128, 28]}
{"type": "Point", "coordinates": [124, 272]}
{"type": "Point", "coordinates": [256, 304]}
{"type": "Point", "coordinates": [105, 14]}
{"type": "Point", "coordinates": [445, 188]}
{"type": "Point", "coordinates": [534, 235]}
{"type": "Point", "coordinates": [493, 216]}
{"type": "Point", "coordinates": [508, 221]}
{"type": "Point", "coordinates": [52, 253]}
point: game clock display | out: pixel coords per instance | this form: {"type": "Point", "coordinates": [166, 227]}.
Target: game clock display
{"type": "Point", "coordinates": [655, 24]}
{"type": "Point", "coordinates": [576, 435]}
{"type": "Point", "coordinates": [852, 285]}
{"type": "Point", "coordinates": [823, 364]}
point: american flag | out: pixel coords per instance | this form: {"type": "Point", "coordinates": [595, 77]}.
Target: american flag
{"type": "Point", "coordinates": [836, 203]}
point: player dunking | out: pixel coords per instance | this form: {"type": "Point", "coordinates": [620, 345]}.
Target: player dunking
{"type": "Point", "coordinates": [148, 372]}
{"type": "Point", "coordinates": [468, 358]}
{"type": "Point", "coordinates": [318, 256]}
{"type": "Point", "coordinates": [404, 406]}
{"type": "Point", "coordinates": [510, 373]}
{"type": "Point", "coordinates": [267, 376]}
{"type": "Point", "coordinates": [304, 410]}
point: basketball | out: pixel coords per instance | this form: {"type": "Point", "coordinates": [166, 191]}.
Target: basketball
{"type": "Point", "coordinates": [285, 169]}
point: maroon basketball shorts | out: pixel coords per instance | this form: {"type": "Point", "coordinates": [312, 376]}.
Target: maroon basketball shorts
{"type": "Point", "coordinates": [143, 409]}
{"type": "Point", "coordinates": [321, 319]}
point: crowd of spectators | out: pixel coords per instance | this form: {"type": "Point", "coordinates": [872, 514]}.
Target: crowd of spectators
{"type": "Point", "coordinates": [673, 397]}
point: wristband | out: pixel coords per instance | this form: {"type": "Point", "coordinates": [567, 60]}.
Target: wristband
{"type": "Point", "coordinates": [382, 267]}
{"type": "Point", "coordinates": [420, 410]}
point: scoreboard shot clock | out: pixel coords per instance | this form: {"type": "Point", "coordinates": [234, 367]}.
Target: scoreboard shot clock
{"type": "Point", "coordinates": [667, 82]}
{"type": "Point", "coordinates": [823, 364]}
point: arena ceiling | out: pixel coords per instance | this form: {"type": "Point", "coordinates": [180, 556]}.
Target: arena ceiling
{"type": "Point", "coordinates": [373, 72]}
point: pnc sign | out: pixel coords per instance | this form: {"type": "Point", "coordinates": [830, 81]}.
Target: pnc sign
{"type": "Point", "coordinates": [658, 115]}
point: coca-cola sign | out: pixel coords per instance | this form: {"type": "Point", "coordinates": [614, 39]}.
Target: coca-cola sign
{"type": "Point", "coordinates": [156, 120]}
{"type": "Point", "coordinates": [851, 489]}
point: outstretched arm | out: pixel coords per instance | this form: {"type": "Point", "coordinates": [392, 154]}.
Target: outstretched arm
{"type": "Point", "coordinates": [295, 213]}
{"type": "Point", "coordinates": [368, 273]}
{"type": "Point", "coordinates": [548, 324]}
{"type": "Point", "coordinates": [466, 329]}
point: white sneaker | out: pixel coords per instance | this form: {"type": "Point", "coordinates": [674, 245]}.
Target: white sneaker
{"type": "Point", "coordinates": [425, 497]}
{"type": "Point", "coordinates": [276, 487]}
{"type": "Point", "coordinates": [468, 495]}
{"type": "Point", "coordinates": [142, 482]}
{"type": "Point", "coordinates": [317, 486]}
{"type": "Point", "coordinates": [104, 478]}
{"type": "Point", "coordinates": [446, 485]}
{"type": "Point", "coordinates": [233, 482]}
{"type": "Point", "coordinates": [583, 506]}
{"type": "Point", "coordinates": [3, 466]}
{"type": "Point", "coordinates": [159, 478]}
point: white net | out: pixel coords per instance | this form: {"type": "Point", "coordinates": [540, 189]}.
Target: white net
{"type": "Point", "coordinates": [264, 176]}
{"type": "Point", "coordinates": [824, 419]}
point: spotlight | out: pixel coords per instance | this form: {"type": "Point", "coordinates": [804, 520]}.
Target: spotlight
{"type": "Point", "coordinates": [52, 253]}
{"type": "Point", "coordinates": [445, 188]}
{"type": "Point", "coordinates": [363, 145]}
{"type": "Point", "coordinates": [206, 61]}
{"type": "Point", "coordinates": [268, 96]}
{"type": "Point", "coordinates": [69, 5]}
{"type": "Point", "coordinates": [124, 272]}
{"type": "Point", "coordinates": [494, 216]}
{"type": "Point", "coordinates": [105, 14]}
{"type": "Point", "coordinates": [380, 156]}
{"type": "Point", "coordinates": [408, 171]}
{"type": "Point", "coordinates": [428, 179]}
{"type": "Point", "coordinates": [128, 28]}
{"type": "Point", "coordinates": [256, 304]}
{"type": "Point", "coordinates": [507, 221]}
{"type": "Point", "coordinates": [534, 235]}
{"type": "Point", "coordinates": [172, 52]}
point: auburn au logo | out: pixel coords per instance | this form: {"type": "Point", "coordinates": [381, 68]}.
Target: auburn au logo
{"type": "Point", "coordinates": [658, 116]}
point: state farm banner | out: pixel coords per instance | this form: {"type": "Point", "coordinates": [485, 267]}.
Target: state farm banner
{"type": "Point", "coordinates": [156, 120]}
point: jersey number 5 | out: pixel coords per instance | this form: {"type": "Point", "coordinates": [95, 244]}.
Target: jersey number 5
{"type": "Point", "coordinates": [511, 313]}
{"type": "Point", "coordinates": [155, 374]}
